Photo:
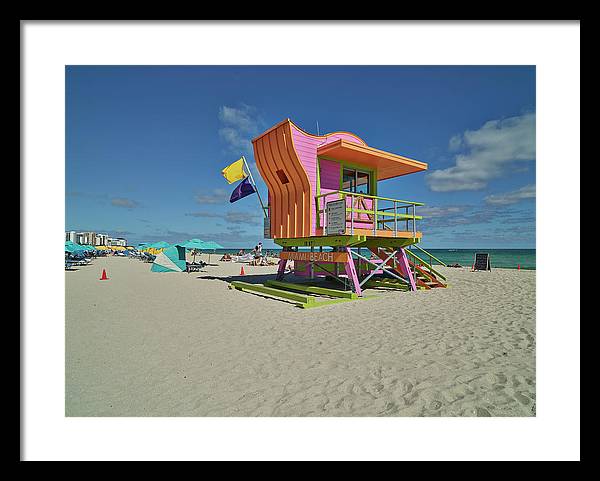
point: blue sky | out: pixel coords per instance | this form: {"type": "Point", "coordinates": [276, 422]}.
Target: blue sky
{"type": "Point", "coordinates": [145, 146]}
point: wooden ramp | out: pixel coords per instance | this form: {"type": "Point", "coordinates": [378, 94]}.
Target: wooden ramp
{"type": "Point", "coordinates": [301, 295]}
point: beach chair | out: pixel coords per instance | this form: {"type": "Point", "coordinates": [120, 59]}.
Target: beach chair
{"type": "Point", "coordinates": [194, 266]}
{"type": "Point", "coordinates": [78, 260]}
{"type": "Point", "coordinates": [149, 257]}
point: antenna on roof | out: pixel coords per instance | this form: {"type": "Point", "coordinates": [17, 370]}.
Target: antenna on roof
{"type": "Point", "coordinates": [318, 133]}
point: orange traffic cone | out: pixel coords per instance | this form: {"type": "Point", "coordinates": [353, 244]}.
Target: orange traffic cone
{"type": "Point", "coordinates": [104, 276]}
{"type": "Point", "coordinates": [242, 273]}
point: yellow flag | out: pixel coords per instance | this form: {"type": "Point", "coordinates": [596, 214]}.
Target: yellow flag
{"type": "Point", "coordinates": [234, 172]}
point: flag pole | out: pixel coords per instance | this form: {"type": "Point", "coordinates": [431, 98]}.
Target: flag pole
{"type": "Point", "coordinates": [255, 188]}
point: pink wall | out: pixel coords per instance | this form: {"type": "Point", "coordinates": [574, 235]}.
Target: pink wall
{"type": "Point", "coordinates": [330, 175]}
{"type": "Point", "coordinates": [306, 148]}
{"type": "Point", "coordinates": [330, 181]}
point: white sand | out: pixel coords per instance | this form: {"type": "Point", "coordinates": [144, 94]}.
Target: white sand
{"type": "Point", "coordinates": [177, 344]}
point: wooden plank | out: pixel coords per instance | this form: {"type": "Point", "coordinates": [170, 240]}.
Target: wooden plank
{"type": "Point", "coordinates": [328, 302]}
{"type": "Point", "coordinates": [313, 289]}
{"type": "Point", "coordinates": [421, 261]}
{"type": "Point", "coordinates": [325, 256]}
{"type": "Point", "coordinates": [292, 296]}
{"type": "Point", "coordinates": [387, 284]}
{"type": "Point", "coordinates": [385, 233]}
{"type": "Point", "coordinates": [321, 240]}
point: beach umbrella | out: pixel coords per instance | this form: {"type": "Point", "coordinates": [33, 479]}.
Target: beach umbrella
{"type": "Point", "coordinates": [157, 247]}
{"type": "Point", "coordinates": [72, 248]}
{"type": "Point", "coordinates": [194, 244]}
{"type": "Point", "coordinates": [212, 245]}
{"type": "Point", "coordinates": [161, 245]}
{"type": "Point", "coordinates": [171, 259]}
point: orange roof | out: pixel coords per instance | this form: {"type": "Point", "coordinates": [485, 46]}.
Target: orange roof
{"type": "Point", "coordinates": [388, 165]}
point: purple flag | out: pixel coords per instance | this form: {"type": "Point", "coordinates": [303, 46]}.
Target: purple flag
{"type": "Point", "coordinates": [243, 189]}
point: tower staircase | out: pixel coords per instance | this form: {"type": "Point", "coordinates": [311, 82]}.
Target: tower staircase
{"type": "Point", "coordinates": [423, 273]}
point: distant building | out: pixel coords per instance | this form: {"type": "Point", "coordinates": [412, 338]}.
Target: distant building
{"type": "Point", "coordinates": [117, 241]}
{"type": "Point", "coordinates": [87, 238]}
{"type": "Point", "coordinates": [101, 240]}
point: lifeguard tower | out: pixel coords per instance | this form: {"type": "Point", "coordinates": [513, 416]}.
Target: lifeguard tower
{"type": "Point", "coordinates": [323, 196]}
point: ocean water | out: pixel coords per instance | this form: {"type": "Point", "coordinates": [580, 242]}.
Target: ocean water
{"type": "Point", "coordinates": [505, 258]}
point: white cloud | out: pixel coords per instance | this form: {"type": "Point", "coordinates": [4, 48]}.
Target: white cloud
{"type": "Point", "coordinates": [440, 211]}
{"type": "Point", "coordinates": [124, 202]}
{"type": "Point", "coordinates": [235, 141]}
{"type": "Point", "coordinates": [239, 126]}
{"type": "Point", "coordinates": [216, 196]}
{"type": "Point", "coordinates": [455, 143]}
{"type": "Point", "coordinates": [243, 218]}
{"type": "Point", "coordinates": [242, 119]}
{"type": "Point", "coordinates": [526, 192]}
{"type": "Point", "coordinates": [231, 217]}
{"type": "Point", "coordinates": [487, 154]}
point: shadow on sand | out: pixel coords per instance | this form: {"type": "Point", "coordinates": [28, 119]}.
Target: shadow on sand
{"type": "Point", "coordinates": [249, 278]}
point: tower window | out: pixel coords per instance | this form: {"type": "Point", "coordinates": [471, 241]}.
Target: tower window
{"type": "Point", "coordinates": [356, 181]}
{"type": "Point", "coordinates": [282, 177]}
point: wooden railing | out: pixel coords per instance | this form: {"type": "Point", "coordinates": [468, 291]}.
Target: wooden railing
{"type": "Point", "coordinates": [417, 260]}
{"type": "Point", "coordinates": [398, 213]}
{"type": "Point", "coordinates": [431, 256]}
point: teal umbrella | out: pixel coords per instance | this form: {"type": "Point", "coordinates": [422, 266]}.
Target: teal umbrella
{"type": "Point", "coordinates": [160, 245]}
{"type": "Point", "coordinates": [212, 245]}
{"type": "Point", "coordinates": [171, 259]}
{"type": "Point", "coordinates": [194, 245]}
{"type": "Point", "coordinates": [71, 247]}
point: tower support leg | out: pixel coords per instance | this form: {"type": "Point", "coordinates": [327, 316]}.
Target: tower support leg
{"type": "Point", "coordinates": [351, 272]}
{"type": "Point", "coordinates": [404, 268]}
{"type": "Point", "coordinates": [281, 269]}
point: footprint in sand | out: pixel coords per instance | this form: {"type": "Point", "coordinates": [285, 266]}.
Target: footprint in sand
{"type": "Point", "coordinates": [522, 399]}
{"type": "Point", "coordinates": [495, 378]}
{"type": "Point", "coordinates": [481, 412]}
{"type": "Point", "coordinates": [403, 388]}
